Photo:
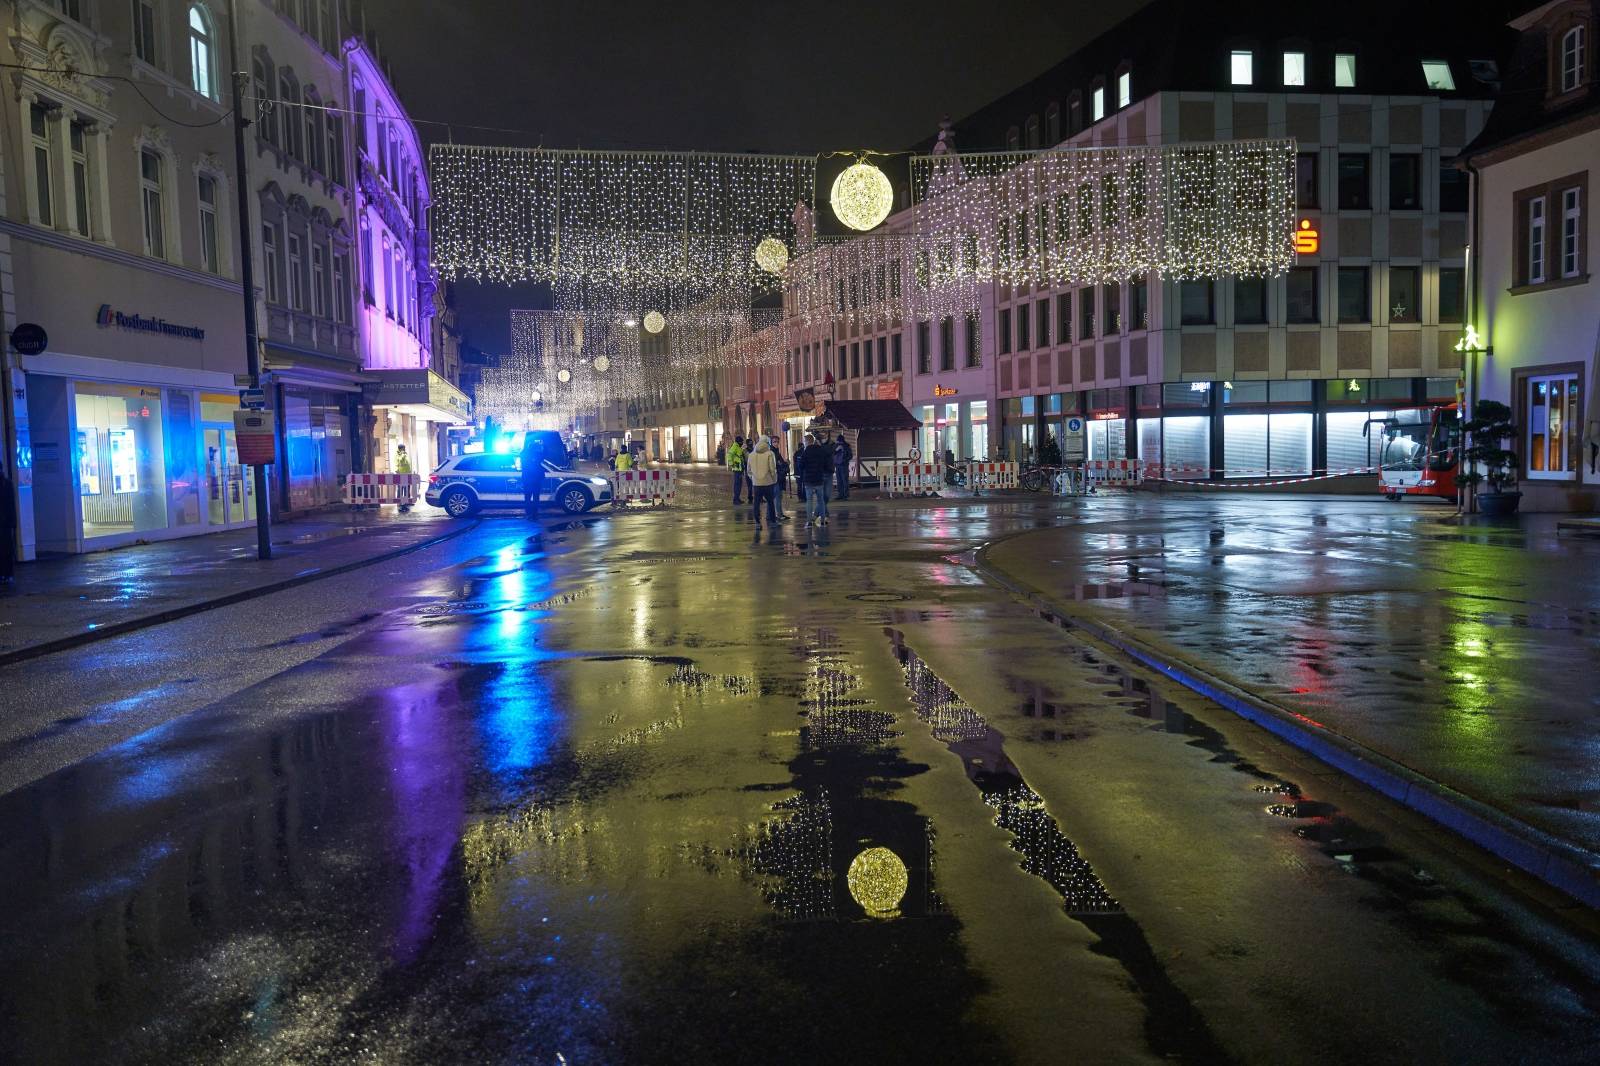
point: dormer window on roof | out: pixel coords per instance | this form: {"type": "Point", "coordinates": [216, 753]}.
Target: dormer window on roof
{"type": "Point", "coordinates": [1436, 73]}
{"type": "Point", "coordinates": [1344, 71]}
{"type": "Point", "coordinates": [1243, 68]}
{"type": "Point", "coordinates": [1099, 103]}
{"type": "Point", "coordinates": [1294, 69]}
{"type": "Point", "coordinates": [1124, 89]}
{"type": "Point", "coordinates": [1573, 47]}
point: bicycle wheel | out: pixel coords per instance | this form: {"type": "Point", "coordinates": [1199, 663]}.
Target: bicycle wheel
{"type": "Point", "coordinates": [1032, 481]}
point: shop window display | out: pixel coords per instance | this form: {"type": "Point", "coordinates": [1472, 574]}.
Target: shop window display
{"type": "Point", "coordinates": [121, 459]}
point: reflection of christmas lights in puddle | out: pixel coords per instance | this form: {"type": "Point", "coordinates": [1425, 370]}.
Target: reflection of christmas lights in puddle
{"type": "Point", "coordinates": [879, 597]}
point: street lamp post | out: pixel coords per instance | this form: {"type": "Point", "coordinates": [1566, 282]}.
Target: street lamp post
{"type": "Point", "coordinates": [247, 281]}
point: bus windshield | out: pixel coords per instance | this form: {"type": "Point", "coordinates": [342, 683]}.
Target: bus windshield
{"type": "Point", "coordinates": [1404, 445]}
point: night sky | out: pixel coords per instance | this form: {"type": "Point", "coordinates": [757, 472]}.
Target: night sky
{"type": "Point", "coordinates": [695, 74]}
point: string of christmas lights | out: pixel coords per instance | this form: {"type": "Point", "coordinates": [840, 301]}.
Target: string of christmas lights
{"type": "Point", "coordinates": [1094, 215]}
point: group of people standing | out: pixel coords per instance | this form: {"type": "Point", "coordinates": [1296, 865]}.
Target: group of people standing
{"type": "Point", "coordinates": [758, 465]}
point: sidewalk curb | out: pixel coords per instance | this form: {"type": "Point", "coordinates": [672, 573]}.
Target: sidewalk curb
{"type": "Point", "coordinates": [172, 614]}
{"type": "Point", "coordinates": [1564, 866]}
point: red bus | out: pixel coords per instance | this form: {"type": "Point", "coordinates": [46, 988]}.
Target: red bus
{"type": "Point", "coordinates": [1421, 452]}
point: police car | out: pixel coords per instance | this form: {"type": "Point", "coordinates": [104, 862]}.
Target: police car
{"type": "Point", "coordinates": [465, 484]}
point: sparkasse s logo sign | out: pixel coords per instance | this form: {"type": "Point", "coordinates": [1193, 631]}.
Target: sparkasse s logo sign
{"type": "Point", "coordinates": [106, 317]}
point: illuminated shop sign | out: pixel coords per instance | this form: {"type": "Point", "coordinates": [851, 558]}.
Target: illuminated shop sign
{"type": "Point", "coordinates": [107, 317]}
{"type": "Point", "coordinates": [1306, 239]}
{"type": "Point", "coordinates": [944, 390]}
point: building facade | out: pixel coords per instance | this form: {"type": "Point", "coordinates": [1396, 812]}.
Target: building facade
{"type": "Point", "coordinates": [413, 403]}
{"type": "Point", "coordinates": [116, 239]}
{"type": "Point", "coordinates": [1536, 309]}
{"type": "Point", "coordinates": [301, 185]}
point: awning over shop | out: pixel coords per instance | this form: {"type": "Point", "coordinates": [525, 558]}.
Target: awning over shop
{"type": "Point", "coordinates": [293, 367]}
{"type": "Point", "coordinates": [867, 414]}
{"type": "Point", "coordinates": [421, 393]}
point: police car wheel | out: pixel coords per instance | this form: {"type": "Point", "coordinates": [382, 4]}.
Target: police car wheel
{"type": "Point", "coordinates": [458, 503]}
{"type": "Point", "coordinates": [575, 500]}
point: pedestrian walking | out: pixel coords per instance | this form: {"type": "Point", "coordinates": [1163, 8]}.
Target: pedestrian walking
{"type": "Point", "coordinates": [762, 466]}
{"type": "Point", "coordinates": [815, 467]}
{"type": "Point", "coordinates": [402, 465]}
{"type": "Point", "coordinates": [783, 477]}
{"type": "Point", "coordinates": [532, 473]}
{"type": "Point", "coordinates": [736, 468]}
{"type": "Point", "coordinates": [842, 454]}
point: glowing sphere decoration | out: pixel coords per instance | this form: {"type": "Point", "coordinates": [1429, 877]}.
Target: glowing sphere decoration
{"type": "Point", "coordinates": [877, 880]}
{"type": "Point", "coordinates": [862, 196]}
{"type": "Point", "coordinates": [601, 364]}
{"type": "Point", "coordinates": [654, 322]}
{"type": "Point", "coordinates": [563, 375]}
{"type": "Point", "coordinates": [772, 255]}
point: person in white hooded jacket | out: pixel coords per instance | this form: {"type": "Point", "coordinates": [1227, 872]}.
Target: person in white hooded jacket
{"type": "Point", "coordinates": [762, 467]}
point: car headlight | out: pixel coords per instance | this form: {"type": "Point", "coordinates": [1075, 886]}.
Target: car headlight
{"type": "Point", "coordinates": [598, 481]}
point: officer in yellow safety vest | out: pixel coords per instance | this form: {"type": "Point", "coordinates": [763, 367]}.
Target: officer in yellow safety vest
{"type": "Point", "coordinates": [736, 468]}
{"type": "Point", "coordinates": [402, 465]}
{"type": "Point", "coordinates": [625, 459]}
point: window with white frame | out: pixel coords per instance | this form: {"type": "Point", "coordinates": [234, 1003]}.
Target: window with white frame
{"type": "Point", "coordinates": [1242, 67]}
{"type": "Point", "coordinates": [41, 129]}
{"type": "Point", "coordinates": [269, 259]}
{"type": "Point", "coordinates": [341, 287]}
{"type": "Point", "coordinates": [297, 283]}
{"type": "Point", "coordinates": [202, 52]}
{"type": "Point", "coordinates": [1436, 75]}
{"type": "Point", "coordinates": [319, 281]}
{"type": "Point", "coordinates": [152, 195]}
{"type": "Point", "coordinates": [312, 111]}
{"type": "Point", "coordinates": [1554, 428]}
{"type": "Point", "coordinates": [289, 94]}
{"type": "Point", "coordinates": [210, 250]}
{"type": "Point", "coordinates": [335, 127]}
{"type": "Point", "coordinates": [1344, 71]}
{"type": "Point", "coordinates": [1571, 217]}
{"type": "Point", "coordinates": [261, 86]}
{"type": "Point", "coordinates": [1294, 68]}
{"type": "Point", "coordinates": [146, 40]}
{"type": "Point", "coordinates": [78, 148]}
{"type": "Point", "coordinates": [388, 278]}
{"type": "Point", "coordinates": [1124, 89]}
{"type": "Point", "coordinates": [1535, 242]}
{"type": "Point", "coordinates": [1573, 47]}
{"type": "Point", "coordinates": [1099, 104]}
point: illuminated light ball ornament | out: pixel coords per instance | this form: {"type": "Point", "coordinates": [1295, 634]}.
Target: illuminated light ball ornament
{"type": "Point", "coordinates": [602, 364]}
{"type": "Point", "coordinates": [877, 880]}
{"type": "Point", "coordinates": [861, 196]}
{"type": "Point", "coordinates": [563, 375]}
{"type": "Point", "coordinates": [772, 255]}
{"type": "Point", "coordinates": [654, 322]}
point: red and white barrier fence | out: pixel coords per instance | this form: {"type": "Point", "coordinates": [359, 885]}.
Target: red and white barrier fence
{"type": "Point", "coordinates": [373, 490]}
{"type": "Point", "coordinates": [982, 476]}
{"type": "Point", "coordinates": [652, 485]}
{"type": "Point", "coordinates": [1115, 472]}
{"type": "Point", "coordinates": [911, 479]}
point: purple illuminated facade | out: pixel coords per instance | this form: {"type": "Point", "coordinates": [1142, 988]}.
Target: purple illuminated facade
{"type": "Point", "coordinates": [414, 400]}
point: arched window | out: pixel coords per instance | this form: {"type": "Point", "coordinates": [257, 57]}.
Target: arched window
{"type": "Point", "coordinates": [1572, 58]}
{"type": "Point", "coordinates": [202, 52]}
{"type": "Point", "coordinates": [1033, 131]}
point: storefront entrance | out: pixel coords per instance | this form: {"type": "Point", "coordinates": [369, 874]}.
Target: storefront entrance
{"type": "Point", "coordinates": [230, 491]}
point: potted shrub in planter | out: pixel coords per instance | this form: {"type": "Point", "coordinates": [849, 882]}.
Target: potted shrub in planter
{"type": "Point", "coordinates": [1488, 461]}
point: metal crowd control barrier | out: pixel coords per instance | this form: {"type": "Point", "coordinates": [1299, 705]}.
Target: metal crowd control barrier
{"type": "Point", "coordinates": [982, 476]}
{"type": "Point", "coordinates": [913, 479]}
{"type": "Point", "coordinates": [373, 490]}
{"type": "Point", "coordinates": [656, 486]}
{"type": "Point", "coordinates": [1071, 480]}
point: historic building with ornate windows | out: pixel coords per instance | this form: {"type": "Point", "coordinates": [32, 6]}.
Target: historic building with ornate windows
{"type": "Point", "coordinates": [303, 199]}
{"type": "Point", "coordinates": [1536, 166]}
{"type": "Point", "coordinates": [117, 240]}
{"type": "Point", "coordinates": [413, 403]}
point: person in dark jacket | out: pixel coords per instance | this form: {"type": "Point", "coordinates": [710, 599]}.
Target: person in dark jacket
{"type": "Point", "coordinates": [783, 476]}
{"type": "Point", "coordinates": [532, 473]}
{"type": "Point", "coordinates": [842, 454]}
{"type": "Point", "coordinates": [815, 467]}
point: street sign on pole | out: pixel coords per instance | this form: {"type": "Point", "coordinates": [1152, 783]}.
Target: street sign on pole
{"type": "Point", "coordinates": [252, 399]}
{"type": "Point", "coordinates": [1072, 441]}
{"type": "Point", "coordinates": [257, 439]}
